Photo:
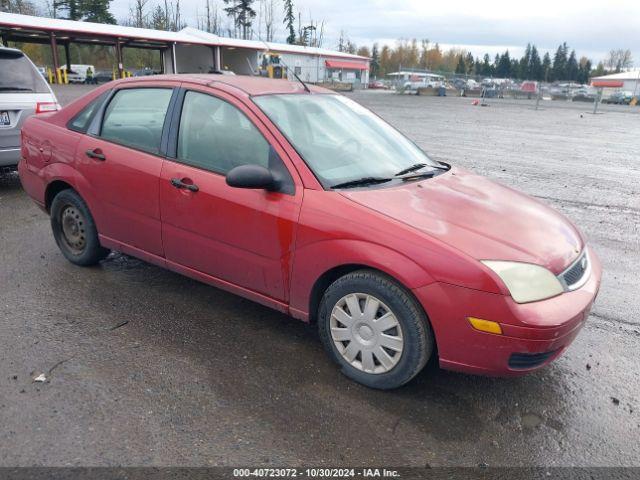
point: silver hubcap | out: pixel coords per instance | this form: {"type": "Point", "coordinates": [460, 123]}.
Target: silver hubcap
{"type": "Point", "coordinates": [366, 333]}
{"type": "Point", "coordinates": [73, 229]}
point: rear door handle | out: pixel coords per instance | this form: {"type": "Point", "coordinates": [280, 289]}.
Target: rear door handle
{"type": "Point", "coordinates": [176, 182]}
{"type": "Point", "coordinates": [95, 153]}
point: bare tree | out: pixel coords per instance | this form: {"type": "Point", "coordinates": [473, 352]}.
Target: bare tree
{"type": "Point", "coordinates": [137, 14]}
{"type": "Point", "coordinates": [619, 60]}
{"type": "Point", "coordinates": [211, 22]}
{"type": "Point", "coordinates": [267, 18]}
{"type": "Point", "coordinates": [24, 7]}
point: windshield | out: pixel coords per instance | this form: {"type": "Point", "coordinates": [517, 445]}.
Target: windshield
{"type": "Point", "coordinates": [17, 74]}
{"type": "Point", "coordinates": [340, 140]}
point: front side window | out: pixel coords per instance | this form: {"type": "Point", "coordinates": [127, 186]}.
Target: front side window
{"type": "Point", "coordinates": [216, 136]}
{"type": "Point", "coordinates": [340, 140]}
{"type": "Point", "coordinates": [135, 117]}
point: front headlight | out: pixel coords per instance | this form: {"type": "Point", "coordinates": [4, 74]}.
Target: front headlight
{"type": "Point", "coordinates": [526, 282]}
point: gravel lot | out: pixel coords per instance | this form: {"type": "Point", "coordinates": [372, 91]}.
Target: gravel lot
{"type": "Point", "coordinates": [146, 367]}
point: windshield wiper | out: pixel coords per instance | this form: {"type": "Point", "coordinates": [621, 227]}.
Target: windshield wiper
{"type": "Point", "coordinates": [419, 166]}
{"type": "Point", "coordinates": [412, 168]}
{"type": "Point", "coordinates": [17, 89]}
{"type": "Point", "coordinates": [361, 182]}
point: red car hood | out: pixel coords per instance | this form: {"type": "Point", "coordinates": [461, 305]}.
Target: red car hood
{"type": "Point", "coordinates": [483, 219]}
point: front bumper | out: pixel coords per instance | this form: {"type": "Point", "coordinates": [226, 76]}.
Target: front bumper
{"type": "Point", "coordinates": [533, 334]}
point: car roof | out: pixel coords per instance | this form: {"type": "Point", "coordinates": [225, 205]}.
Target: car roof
{"type": "Point", "coordinates": [249, 85]}
{"type": "Point", "coordinates": [13, 50]}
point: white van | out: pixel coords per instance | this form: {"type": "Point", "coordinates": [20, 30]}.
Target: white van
{"type": "Point", "coordinates": [78, 72]}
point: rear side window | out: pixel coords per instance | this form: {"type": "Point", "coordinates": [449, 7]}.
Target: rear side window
{"type": "Point", "coordinates": [82, 120]}
{"type": "Point", "coordinates": [17, 74]}
{"type": "Point", "coordinates": [135, 117]}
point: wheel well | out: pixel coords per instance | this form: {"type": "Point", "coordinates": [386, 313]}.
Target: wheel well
{"type": "Point", "coordinates": [332, 275]}
{"type": "Point", "coordinates": [322, 283]}
{"type": "Point", "coordinates": [53, 189]}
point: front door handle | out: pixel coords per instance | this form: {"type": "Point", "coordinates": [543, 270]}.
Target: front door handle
{"type": "Point", "coordinates": [95, 153]}
{"type": "Point", "coordinates": [176, 182]}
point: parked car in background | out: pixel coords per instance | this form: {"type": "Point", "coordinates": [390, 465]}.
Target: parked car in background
{"type": "Point", "coordinates": [255, 186]}
{"type": "Point", "coordinates": [471, 84]}
{"type": "Point", "coordinates": [144, 72]}
{"type": "Point", "coordinates": [378, 85]}
{"type": "Point", "coordinates": [23, 92]}
{"type": "Point", "coordinates": [459, 83]}
{"type": "Point", "coordinates": [78, 72]}
{"type": "Point", "coordinates": [619, 98]}
{"type": "Point", "coordinates": [583, 95]}
{"type": "Point", "coordinates": [103, 76]}
{"type": "Point", "coordinates": [413, 87]}
{"type": "Point", "coordinates": [529, 88]}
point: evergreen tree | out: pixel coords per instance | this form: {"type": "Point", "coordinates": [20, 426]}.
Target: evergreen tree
{"type": "Point", "coordinates": [97, 11]}
{"type": "Point", "coordinates": [83, 10]}
{"type": "Point", "coordinates": [524, 67]}
{"type": "Point", "coordinates": [461, 68]}
{"type": "Point", "coordinates": [375, 60]}
{"type": "Point", "coordinates": [514, 71]}
{"type": "Point", "coordinates": [487, 71]}
{"type": "Point", "coordinates": [243, 14]}
{"type": "Point", "coordinates": [470, 64]}
{"type": "Point", "coordinates": [535, 66]}
{"type": "Point", "coordinates": [560, 61]}
{"type": "Point", "coordinates": [159, 19]}
{"type": "Point", "coordinates": [599, 70]}
{"type": "Point", "coordinates": [67, 9]}
{"type": "Point", "coordinates": [584, 70]}
{"type": "Point", "coordinates": [572, 67]}
{"type": "Point", "coordinates": [503, 68]}
{"type": "Point", "coordinates": [289, 19]}
{"type": "Point", "coordinates": [546, 68]}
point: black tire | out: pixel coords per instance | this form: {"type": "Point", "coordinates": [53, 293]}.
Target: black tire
{"type": "Point", "coordinates": [416, 331]}
{"type": "Point", "coordinates": [82, 246]}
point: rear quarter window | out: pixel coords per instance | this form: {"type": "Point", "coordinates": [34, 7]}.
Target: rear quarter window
{"type": "Point", "coordinates": [82, 120]}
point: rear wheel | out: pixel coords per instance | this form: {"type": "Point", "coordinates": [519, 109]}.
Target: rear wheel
{"type": "Point", "coordinates": [74, 229]}
{"type": "Point", "coordinates": [374, 330]}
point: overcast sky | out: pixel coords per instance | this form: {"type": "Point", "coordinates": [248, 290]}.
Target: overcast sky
{"type": "Point", "coordinates": [591, 27]}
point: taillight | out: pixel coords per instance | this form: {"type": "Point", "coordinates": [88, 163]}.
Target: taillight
{"type": "Point", "coordinates": [44, 107]}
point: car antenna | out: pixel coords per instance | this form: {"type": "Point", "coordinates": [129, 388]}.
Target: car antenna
{"type": "Point", "coordinates": [304, 85]}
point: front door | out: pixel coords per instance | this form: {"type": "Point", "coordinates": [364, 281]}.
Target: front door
{"type": "Point", "coordinates": [239, 236]}
{"type": "Point", "coordinates": [122, 164]}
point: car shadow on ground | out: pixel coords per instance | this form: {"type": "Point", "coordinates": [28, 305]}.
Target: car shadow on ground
{"type": "Point", "coordinates": [9, 181]}
{"type": "Point", "coordinates": [274, 366]}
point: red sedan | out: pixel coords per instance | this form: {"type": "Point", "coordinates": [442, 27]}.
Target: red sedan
{"type": "Point", "coordinates": [306, 202]}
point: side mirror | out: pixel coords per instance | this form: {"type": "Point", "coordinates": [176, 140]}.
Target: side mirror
{"type": "Point", "coordinates": [251, 176]}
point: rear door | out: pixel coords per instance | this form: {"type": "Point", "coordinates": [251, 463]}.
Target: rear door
{"type": "Point", "coordinates": [121, 159]}
{"type": "Point", "coordinates": [240, 236]}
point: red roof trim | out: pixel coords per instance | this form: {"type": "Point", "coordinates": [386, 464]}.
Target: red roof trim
{"type": "Point", "coordinates": [346, 65]}
{"type": "Point", "coordinates": [607, 83]}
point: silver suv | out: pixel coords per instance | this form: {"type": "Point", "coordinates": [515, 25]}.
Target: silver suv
{"type": "Point", "coordinates": [23, 92]}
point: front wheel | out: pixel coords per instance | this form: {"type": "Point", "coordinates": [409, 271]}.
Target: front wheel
{"type": "Point", "coordinates": [74, 229]}
{"type": "Point", "coordinates": [374, 329]}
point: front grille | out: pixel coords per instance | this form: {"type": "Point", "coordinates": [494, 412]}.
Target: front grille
{"type": "Point", "coordinates": [525, 361]}
{"type": "Point", "coordinates": [577, 274]}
